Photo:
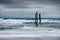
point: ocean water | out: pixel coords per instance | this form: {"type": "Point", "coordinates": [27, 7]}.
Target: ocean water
{"type": "Point", "coordinates": [20, 23]}
{"type": "Point", "coordinates": [28, 27]}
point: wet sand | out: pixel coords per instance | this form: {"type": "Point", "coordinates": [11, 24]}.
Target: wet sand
{"type": "Point", "coordinates": [31, 38]}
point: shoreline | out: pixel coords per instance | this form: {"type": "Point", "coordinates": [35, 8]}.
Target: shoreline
{"type": "Point", "coordinates": [31, 38]}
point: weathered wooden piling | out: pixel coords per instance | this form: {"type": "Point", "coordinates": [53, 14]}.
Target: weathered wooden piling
{"type": "Point", "coordinates": [39, 18]}
{"type": "Point", "coordinates": [36, 18]}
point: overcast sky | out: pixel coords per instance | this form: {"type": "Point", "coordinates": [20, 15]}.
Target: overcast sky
{"type": "Point", "coordinates": [27, 8]}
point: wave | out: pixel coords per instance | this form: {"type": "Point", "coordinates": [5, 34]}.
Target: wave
{"type": "Point", "coordinates": [21, 21]}
{"type": "Point", "coordinates": [50, 21]}
{"type": "Point", "coordinates": [17, 27]}
{"type": "Point", "coordinates": [30, 31]}
{"type": "Point", "coordinates": [16, 23]}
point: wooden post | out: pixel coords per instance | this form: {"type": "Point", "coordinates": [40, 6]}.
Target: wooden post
{"type": "Point", "coordinates": [39, 18]}
{"type": "Point", "coordinates": [36, 18]}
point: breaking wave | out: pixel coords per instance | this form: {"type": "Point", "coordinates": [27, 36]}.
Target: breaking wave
{"type": "Point", "coordinates": [18, 23]}
{"type": "Point", "coordinates": [21, 28]}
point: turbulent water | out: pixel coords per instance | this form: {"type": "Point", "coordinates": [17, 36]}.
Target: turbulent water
{"type": "Point", "coordinates": [25, 26]}
{"type": "Point", "coordinates": [20, 23]}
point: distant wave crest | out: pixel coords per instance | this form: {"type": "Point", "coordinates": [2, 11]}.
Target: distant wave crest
{"type": "Point", "coordinates": [14, 23]}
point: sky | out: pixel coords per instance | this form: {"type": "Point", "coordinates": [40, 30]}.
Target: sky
{"type": "Point", "coordinates": [28, 8]}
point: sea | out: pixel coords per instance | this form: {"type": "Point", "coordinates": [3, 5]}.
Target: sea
{"type": "Point", "coordinates": [27, 26]}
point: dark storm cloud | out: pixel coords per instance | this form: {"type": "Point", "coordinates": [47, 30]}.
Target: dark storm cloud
{"type": "Point", "coordinates": [6, 1]}
{"type": "Point", "coordinates": [47, 2]}
{"type": "Point", "coordinates": [13, 3]}
{"type": "Point", "coordinates": [23, 3]}
{"type": "Point", "coordinates": [10, 7]}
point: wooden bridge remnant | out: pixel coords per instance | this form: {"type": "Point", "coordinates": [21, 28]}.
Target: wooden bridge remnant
{"type": "Point", "coordinates": [37, 18]}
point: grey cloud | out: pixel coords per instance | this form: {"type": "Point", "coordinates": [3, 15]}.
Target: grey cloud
{"type": "Point", "coordinates": [48, 6]}
{"type": "Point", "coordinates": [6, 1]}
{"type": "Point", "coordinates": [24, 3]}
{"type": "Point", "coordinates": [13, 3]}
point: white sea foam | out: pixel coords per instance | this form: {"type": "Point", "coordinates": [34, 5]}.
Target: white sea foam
{"type": "Point", "coordinates": [28, 31]}
{"type": "Point", "coordinates": [32, 32]}
{"type": "Point", "coordinates": [20, 21]}
{"type": "Point", "coordinates": [50, 21]}
{"type": "Point", "coordinates": [13, 21]}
